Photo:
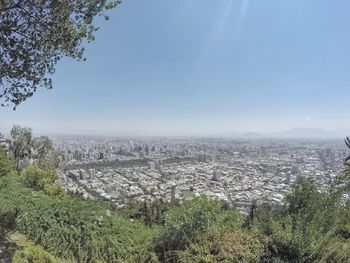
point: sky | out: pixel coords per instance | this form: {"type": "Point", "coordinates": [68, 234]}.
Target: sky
{"type": "Point", "coordinates": [202, 67]}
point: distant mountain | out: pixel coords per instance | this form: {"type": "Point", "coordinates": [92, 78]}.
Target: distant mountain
{"type": "Point", "coordinates": [342, 132]}
{"type": "Point", "coordinates": [296, 133]}
{"type": "Point", "coordinates": [310, 133]}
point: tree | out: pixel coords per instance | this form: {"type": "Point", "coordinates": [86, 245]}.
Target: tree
{"type": "Point", "coordinates": [43, 146]}
{"type": "Point", "coordinates": [6, 163]}
{"type": "Point", "coordinates": [342, 183]}
{"type": "Point", "coordinates": [306, 229]}
{"type": "Point", "coordinates": [35, 35]}
{"type": "Point", "coordinates": [44, 153]}
{"type": "Point", "coordinates": [21, 145]}
{"type": "Point", "coordinates": [39, 150]}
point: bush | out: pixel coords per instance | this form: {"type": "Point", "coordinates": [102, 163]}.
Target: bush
{"type": "Point", "coordinates": [7, 165]}
{"type": "Point", "coordinates": [33, 254]}
{"type": "Point", "coordinates": [232, 220]}
{"type": "Point", "coordinates": [183, 224]}
{"type": "Point", "coordinates": [54, 190]}
{"type": "Point", "coordinates": [42, 180]}
{"type": "Point", "coordinates": [83, 231]}
{"type": "Point", "coordinates": [73, 229]}
{"type": "Point", "coordinates": [223, 245]}
{"type": "Point", "coordinates": [305, 229]}
{"type": "Point", "coordinates": [37, 178]}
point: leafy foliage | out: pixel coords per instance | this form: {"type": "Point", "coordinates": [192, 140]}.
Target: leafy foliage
{"type": "Point", "coordinates": [43, 146]}
{"type": "Point", "coordinates": [21, 145]}
{"type": "Point", "coordinates": [311, 226]}
{"type": "Point", "coordinates": [150, 213]}
{"type": "Point", "coordinates": [37, 178]}
{"type": "Point", "coordinates": [35, 35]}
{"type": "Point", "coordinates": [6, 163]}
{"type": "Point", "coordinates": [222, 245]}
{"type": "Point", "coordinates": [26, 149]}
{"type": "Point", "coordinates": [305, 229]}
{"type": "Point", "coordinates": [185, 223]}
{"type": "Point", "coordinates": [33, 253]}
{"type": "Point", "coordinates": [81, 231]}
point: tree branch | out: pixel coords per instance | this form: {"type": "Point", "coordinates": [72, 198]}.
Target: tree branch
{"type": "Point", "coordinates": [12, 6]}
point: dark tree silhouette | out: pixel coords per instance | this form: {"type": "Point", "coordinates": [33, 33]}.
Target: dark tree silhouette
{"type": "Point", "coordinates": [347, 142]}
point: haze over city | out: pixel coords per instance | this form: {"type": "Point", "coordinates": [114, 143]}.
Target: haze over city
{"type": "Point", "coordinates": [202, 68]}
{"type": "Point", "coordinates": [174, 131]}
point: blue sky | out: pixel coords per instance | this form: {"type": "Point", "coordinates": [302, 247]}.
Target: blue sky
{"type": "Point", "coordinates": [189, 67]}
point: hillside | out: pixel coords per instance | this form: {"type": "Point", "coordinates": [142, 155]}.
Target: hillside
{"type": "Point", "coordinates": [310, 226]}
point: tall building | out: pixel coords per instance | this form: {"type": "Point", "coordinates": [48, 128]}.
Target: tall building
{"type": "Point", "coordinates": [131, 145]}
{"type": "Point", "coordinates": [152, 165]}
{"type": "Point", "coordinates": [83, 174]}
{"type": "Point", "coordinates": [288, 177]}
{"type": "Point", "coordinates": [92, 173]}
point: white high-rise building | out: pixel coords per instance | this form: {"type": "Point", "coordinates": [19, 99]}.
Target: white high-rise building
{"type": "Point", "coordinates": [152, 165]}
{"type": "Point", "coordinates": [131, 145]}
{"type": "Point", "coordinates": [92, 173]}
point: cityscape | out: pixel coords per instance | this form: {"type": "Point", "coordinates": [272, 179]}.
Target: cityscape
{"type": "Point", "coordinates": [160, 131]}
{"type": "Point", "coordinates": [237, 171]}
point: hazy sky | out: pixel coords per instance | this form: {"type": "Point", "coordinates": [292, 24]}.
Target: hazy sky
{"type": "Point", "coordinates": [203, 67]}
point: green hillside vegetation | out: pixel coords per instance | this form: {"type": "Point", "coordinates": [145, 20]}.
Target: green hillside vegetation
{"type": "Point", "coordinates": [310, 227]}
{"type": "Point", "coordinates": [73, 229]}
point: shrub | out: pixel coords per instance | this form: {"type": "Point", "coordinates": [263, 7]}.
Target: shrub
{"type": "Point", "coordinates": [223, 245]}
{"type": "Point", "coordinates": [183, 224]}
{"type": "Point", "coordinates": [37, 178]}
{"type": "Point", "coordinates": [7, 165]}
{"type": "Point", "coordinates": [33, 253]}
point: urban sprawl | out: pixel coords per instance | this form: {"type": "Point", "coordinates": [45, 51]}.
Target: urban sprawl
{"type": "Point", "coordinates": [238, 171]}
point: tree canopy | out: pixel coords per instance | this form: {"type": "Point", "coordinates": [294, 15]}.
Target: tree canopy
{"type": "Point", "coordinates": [21, 145]}
{"type": "Point", "coordinates": [35, 35]}
{"type": "Point", "coordinates": [6, 164]}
